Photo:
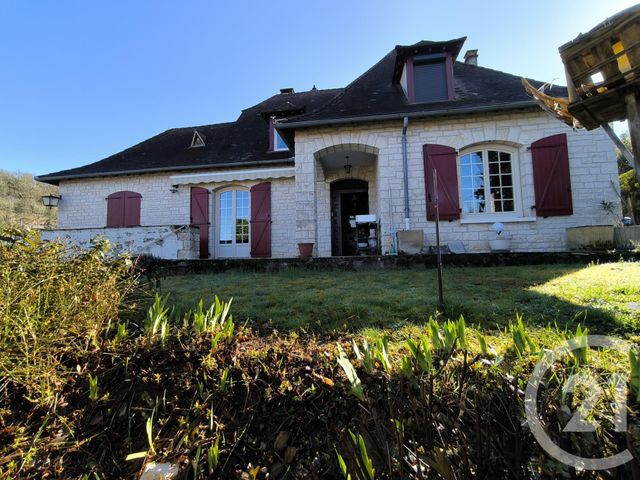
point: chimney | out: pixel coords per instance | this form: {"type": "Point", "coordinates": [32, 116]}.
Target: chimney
{"type": "Point", "coordinates": [471, 57]}
{"type": "Point", "coordinates": [287, 90]}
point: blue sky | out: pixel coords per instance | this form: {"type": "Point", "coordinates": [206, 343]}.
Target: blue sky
{"type": "Point", "coordinates": [84, 79]}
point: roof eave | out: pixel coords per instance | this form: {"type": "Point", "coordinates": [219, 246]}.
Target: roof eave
{"type": "Point", "coordinates": [396, 116]}
{"type": "Point", "coordinates": [56, 179]}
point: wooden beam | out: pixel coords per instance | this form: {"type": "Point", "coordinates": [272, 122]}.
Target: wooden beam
{"type": "Point", "coordinates": [633, 119]}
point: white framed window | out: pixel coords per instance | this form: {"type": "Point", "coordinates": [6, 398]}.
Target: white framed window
{"type": "Point", "coordinates": [489, 182]}
{"type": "Point", "coordinates": [278, 142]}
{"type": "Point", "coordinates": [233, 223]}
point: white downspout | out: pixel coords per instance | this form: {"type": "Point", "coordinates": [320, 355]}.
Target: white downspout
{"type": "Point", "coordinates": [405, 173]}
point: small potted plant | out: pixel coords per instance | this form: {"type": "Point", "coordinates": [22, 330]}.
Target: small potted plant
{"type": "Point", "coordinates": [500, 243]}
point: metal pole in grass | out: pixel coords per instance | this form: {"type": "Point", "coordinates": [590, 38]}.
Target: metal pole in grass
{"type": "Point", "coordinates": [439, 253]}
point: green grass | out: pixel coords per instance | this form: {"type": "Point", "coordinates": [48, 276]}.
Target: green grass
{"type": "Point", "coordinates": [595, 295]}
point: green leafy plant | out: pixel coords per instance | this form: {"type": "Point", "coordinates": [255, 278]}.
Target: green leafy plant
{"type": "Point", "coordinates": [580, 347]}
{"type": "Point", "coordinates": [121, 333]}
{"type": "Point", "coordinates": [436, 338]}
{"type": "Point", "coordinates": [195, 463]}
{"type": "Point", "coordinates": [93, 388]}
{"type": "Point", "coordinates": [461, 332]}
{"type": "Point", "coordinates": [343, 466]}
{"type": "Point", "coordinates": [149, 429]}
{"type": "Point", "coordinates": [482, 340]}
{"type": "Point", "coordinates": [362, 459]}
{"type": "Point", "coordinates": [450, 329]}
{"type": "Point", "coordinates": [366, 355]}
{"type": "Point", "coordinates": [382, 353]}
{"type": "Point", "coordinates": [215, 320]}
{"type": "Point", "coordinates": [350, 372]}
{"type": "Point", "coordinates": [213, 453]}
{"type": "Point", "coordinates": [522, 341]}
{"type": "Point", "coordinates": [421, 353]}
{"type": "Point", "coordinates": [223, 382]}
{"type": "Point", "coordinates": [157, 316]}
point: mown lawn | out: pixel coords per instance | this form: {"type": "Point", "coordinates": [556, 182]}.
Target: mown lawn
{"type": "Point", "coordinates": [600, 296]}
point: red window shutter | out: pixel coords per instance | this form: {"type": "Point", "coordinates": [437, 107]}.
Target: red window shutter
{"type": "Point", "coordinates": [123, 209]}
{"type": "Point", "coordinates": [261, 220]}
{"type": "Point", "coordinates": [132, 202]}
{"type": "Point", "coordinates": [115, 210]}
{"type": "Point", "coordinates": [200, 217]}
{"type": "Point", "coordinates": [551, 177]}
{"type": "Point", "coordinates": [442, 159]}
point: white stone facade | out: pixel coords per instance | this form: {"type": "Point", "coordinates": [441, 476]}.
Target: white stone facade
{"type": "Point", "coordinates": [301, 209]}
{"type": "Point", "coordinates": [84, 205]}
{"type": "Point", "coordinates": [593, 168]}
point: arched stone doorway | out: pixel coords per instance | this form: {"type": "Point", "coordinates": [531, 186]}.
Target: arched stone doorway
{"type": "Point", "coordinates": [349, 197]}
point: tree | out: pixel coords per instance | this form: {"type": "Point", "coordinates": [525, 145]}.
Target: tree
{"type": "Point", "coordinates": [623, 164]}
{"type": "Point", "coordinates": [630, 191]}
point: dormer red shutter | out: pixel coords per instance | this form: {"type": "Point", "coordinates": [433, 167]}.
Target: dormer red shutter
{"type": "Point", "coordinates": [442, 159]}
{"type": "Point", "coordinates": [551, 177]}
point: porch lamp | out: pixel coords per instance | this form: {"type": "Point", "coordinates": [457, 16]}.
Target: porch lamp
{"type": "Point", "coordinates": [347, 166]}
{"type": "Point", "coordinates": [51, 201]}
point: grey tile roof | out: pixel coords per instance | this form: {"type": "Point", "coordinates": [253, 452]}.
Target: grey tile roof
{"type": "Point", "coordinates": [243, 142]}
{"type": "Point", "coordinates": [372, 96]}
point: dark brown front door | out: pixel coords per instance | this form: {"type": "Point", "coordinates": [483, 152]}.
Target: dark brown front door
{"type": "Point", "coordinates": [200, 217]}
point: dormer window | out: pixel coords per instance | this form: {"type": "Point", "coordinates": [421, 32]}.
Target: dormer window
{"type": "Point", "coordinates": [425, 70]}
{"type": "Point", "coordinates": [197, 140]}
{"type": "Point", "coordinates": [430, 78]}
{"type": "Point", "coordinates": [278, 142]}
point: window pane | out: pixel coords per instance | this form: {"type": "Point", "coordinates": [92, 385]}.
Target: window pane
{"type": "Point", "coordinates": [226, 217]}
{"type": "Point", "coordinates": [279, 142]}
{"type": "Point", "coordinates": [242, 216]}
{"type": "Point", "coordinates": [500, 181]}
{"type": "Point", "coordinates": [472, 182]}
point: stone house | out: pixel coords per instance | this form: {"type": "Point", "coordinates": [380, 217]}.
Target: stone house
{"type": "Point", "coordinates": [299, 167]}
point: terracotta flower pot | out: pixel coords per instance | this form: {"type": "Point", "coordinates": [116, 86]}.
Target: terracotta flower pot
{"type": "Point", "coordinates": [306, 250]}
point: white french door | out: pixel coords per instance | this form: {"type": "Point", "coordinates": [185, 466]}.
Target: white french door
{"type": "Point", "coordinates": [233, 222]}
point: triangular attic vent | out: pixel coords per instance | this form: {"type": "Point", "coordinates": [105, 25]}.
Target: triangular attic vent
{"type": "Point", "coordinates": [197, 140]}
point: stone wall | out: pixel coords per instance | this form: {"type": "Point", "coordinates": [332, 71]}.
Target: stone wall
{"type": "Point", "coordinates": [592, 164]}
{"type": "Point", "coordinates": [167, 242]}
